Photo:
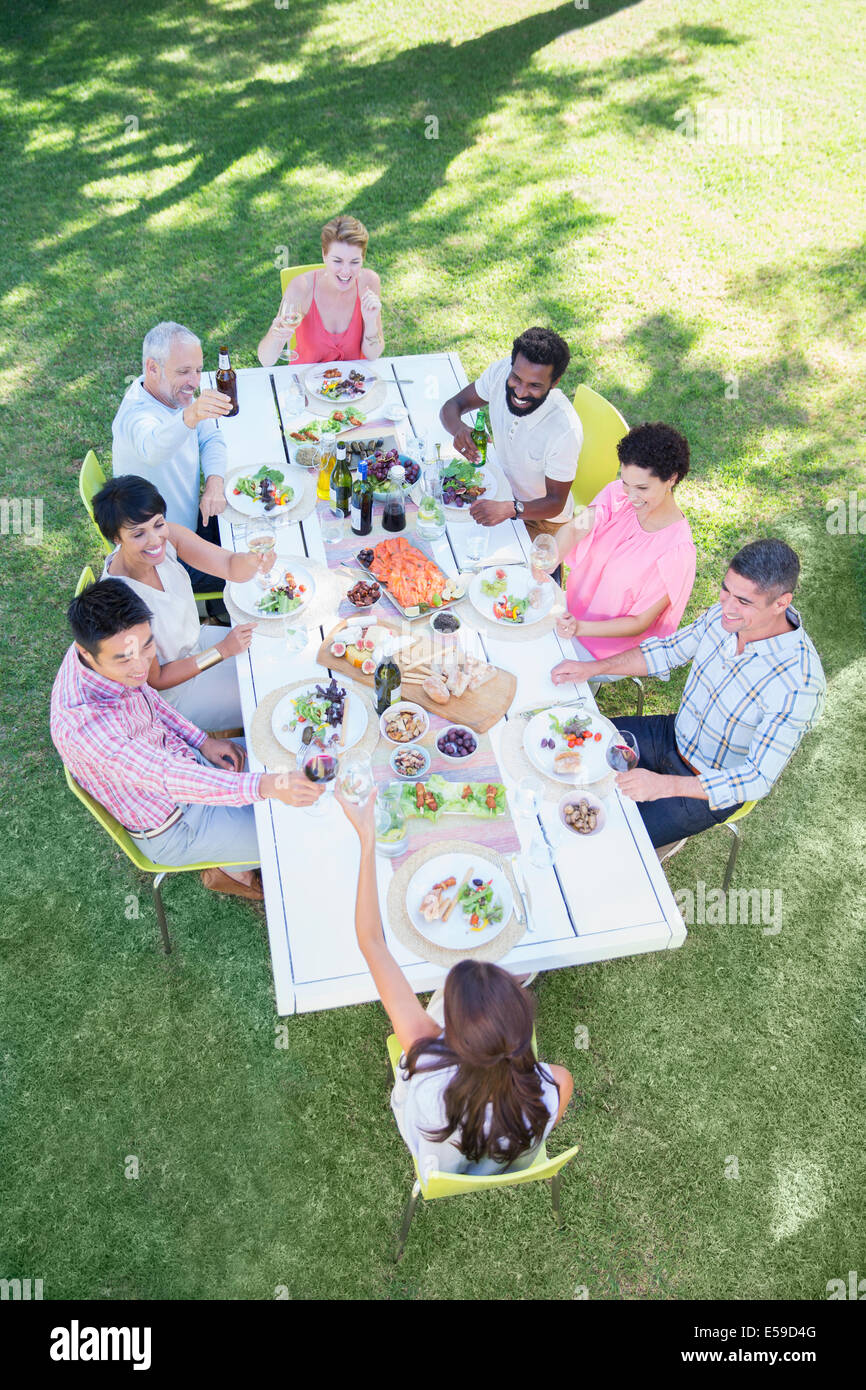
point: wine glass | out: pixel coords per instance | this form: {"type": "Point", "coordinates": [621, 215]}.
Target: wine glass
{"type": "Point", "coordinates": [543, 557]}
{"type": "Point", "coordinates": [331, 524]}
{"type": "Point", "coordinates": [355, 777]}
{"type": "Point", "coordinates": [320, 766]}
{"type": "Point", "coordinates": [261, 539]}
{"type": "Point", "coordinates": [477, 543]}
{"type": "Point", "coordinates": [622, 752]}
{"type": "Point", "coordinates": [292, 317]}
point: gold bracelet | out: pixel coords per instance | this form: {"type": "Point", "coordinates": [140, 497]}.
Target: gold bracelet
{"type": "Point", "coordinates": [207, 659]}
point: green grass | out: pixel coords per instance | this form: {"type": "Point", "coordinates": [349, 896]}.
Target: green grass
{"type": "Point", "coordinates": [558, 191]}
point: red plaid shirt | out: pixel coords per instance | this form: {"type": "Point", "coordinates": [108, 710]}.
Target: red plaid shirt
{"type": "Point", "coordinates": [133, 752]}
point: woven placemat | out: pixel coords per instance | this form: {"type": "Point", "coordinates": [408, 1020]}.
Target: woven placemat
{"type": "Point", "coordinates": [321, 611]}
{"type": "Point", "coordinates": [517, 632]}
{"type": "Point", "coordinates": [514, 760]}
{"type": "Point", "coordinates": [367, 407]}
{"type": "Point", "coordinates": [403, 929]}
{"type": "Point", "coordinates": [272, 753]}
{"type": "Point", "coordinates": [503, 493]}
{"type": "Point", "coordinates": [303, 480]}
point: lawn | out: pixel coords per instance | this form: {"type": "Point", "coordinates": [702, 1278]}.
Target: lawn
{"type": "Point", "coordinates": [158, 161]}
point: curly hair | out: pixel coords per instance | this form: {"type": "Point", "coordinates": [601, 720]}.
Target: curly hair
{"type": "Point", "coordinates": [543, 348]}
{"type": "Point", "coordinates": [659, 448]}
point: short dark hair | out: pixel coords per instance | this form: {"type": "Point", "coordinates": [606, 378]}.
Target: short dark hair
{"type": "Point", "coordinates": [544, 348]}
{"type": "Point", "coordinates": [104, 609]}
{"type": "Point", "coordinates": [658, 448]}
{"type": "Point", "coordinates": [770, 564]}
{"type": "Point", "coordinates": [125, 501]}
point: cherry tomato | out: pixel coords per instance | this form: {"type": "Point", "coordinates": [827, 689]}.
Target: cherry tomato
{"type": "Point", "coordinates": [597, 738]}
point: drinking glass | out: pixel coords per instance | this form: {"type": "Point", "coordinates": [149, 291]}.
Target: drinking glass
{"type": "Point", "coordinates": [355, 777]}
{"type": "Point", "coordinates": [292, 399]}
{"type": "Point", "coordinates": [296, 640]}
{"type": "Point", "coordinates": [527, 797]}
{"type": "Point", "coordinates": [292, 316]}
{"type": "Point", "coordinates": [622, 752]}
{"type": "Point", "coordinates": [261, 539]}
{"type": "Point", "coordinates": [391, 836]}
{"type": "Point", "coordinates": [415, 449]}
{"type": "Point", "coordinates": [321, 768]}
{"type": "Point", "coordinates": [542, 850]}
{"type": "Point", "coordinates": [332, 527]}
{"type": "Point", "coordinates": [543, 556]}
{"type": "Point", "coordinates": [477, 543]}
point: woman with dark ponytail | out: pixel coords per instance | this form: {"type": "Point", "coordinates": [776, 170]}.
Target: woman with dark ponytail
{"type": "Point", "coordinates": [470, 1095]}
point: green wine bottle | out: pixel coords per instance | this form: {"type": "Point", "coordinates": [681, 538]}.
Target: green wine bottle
{"type": "Point", "coordinates": [341, 482]}
{"type": "Point", "coordinates": [387, 680]}
{"type": "Point", "coordinates": [362, 503]}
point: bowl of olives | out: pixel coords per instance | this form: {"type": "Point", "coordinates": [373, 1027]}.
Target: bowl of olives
{"type": "Point", "coordinates": [457, 743]}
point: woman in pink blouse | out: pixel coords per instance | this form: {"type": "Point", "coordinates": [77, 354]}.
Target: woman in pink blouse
{"type": "Point", "coordinates": [630, 554]}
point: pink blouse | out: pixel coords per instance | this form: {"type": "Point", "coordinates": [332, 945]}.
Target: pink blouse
{"type": "Point", "coordinates": [619, 570]}
{"type": "Point", "coordinates": [316, 343]}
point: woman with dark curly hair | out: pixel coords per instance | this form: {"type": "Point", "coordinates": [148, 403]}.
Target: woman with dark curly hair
{"type": "Point", "coordinates": [630, 554]}
{"type": "Point", "coordinates": [470, 1095]}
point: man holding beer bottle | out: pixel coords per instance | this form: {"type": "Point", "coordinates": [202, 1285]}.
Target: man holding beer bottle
{"type": "Point", "coordinates": [165, 433]}
{"type": "Point", "coordinates": [537, 432]}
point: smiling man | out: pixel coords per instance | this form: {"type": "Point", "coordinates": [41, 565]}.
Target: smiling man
{"type": "Point", "coordinates": [182, 795]}
{"type": "Point", "coordinates": [165, 433]}
{"type": "Point", "coordinates": [755, 687]}
{"type": "Point", "coordinates": [536, 431]}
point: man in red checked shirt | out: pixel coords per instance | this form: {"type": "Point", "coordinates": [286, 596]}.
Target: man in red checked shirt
{"type": "Point", "coordinates": [182, 795]}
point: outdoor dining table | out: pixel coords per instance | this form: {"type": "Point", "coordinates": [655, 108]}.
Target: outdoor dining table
{"type": "Point", "coordinates": [588, 906]}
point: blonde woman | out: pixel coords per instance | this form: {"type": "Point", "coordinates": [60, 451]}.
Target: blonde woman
{"type": "Point", "coordinates": [340, 306]}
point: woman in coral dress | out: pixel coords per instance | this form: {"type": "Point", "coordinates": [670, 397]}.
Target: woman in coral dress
{"type": "Point", "coordinates": [340, 305]}
{"type": "Point", "coordinates": [630, 554]}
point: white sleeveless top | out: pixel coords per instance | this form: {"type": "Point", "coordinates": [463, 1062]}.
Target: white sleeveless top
{"type": "Point", "coordinates": [176, 628]}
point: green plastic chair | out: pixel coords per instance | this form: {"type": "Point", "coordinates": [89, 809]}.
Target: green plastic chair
{"type": "Point", "coordinates": [668, 852]}
{"type": "Point", "coordinates": [603, 428]}
{"type": "Point", "coordinates": [122, 837]}
{"type": "Point", "coordinates": [287, 275]}
{"type": "Point", "coordinates": [90, 479]}
{"type": "Point", "coordinates": [437, 1184]}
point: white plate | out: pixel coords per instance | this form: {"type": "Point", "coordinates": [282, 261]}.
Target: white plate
{"type": "Point", "coordinates": [488, 482]}
{"type": "Point", "coordinates": [247, 506]}
{"type": "Point", "coordinates": [315, 380]}
{"type": "Point", "coordinates": [291, 739]}
{"type": "Point", "coordinates": [593, 764]}
{"type": "Point", "coordinates": [456, 934]}
{"type": "Point", "coordinates": [518, 582]}
{"type": "Point", "coordinates": [247, 595]}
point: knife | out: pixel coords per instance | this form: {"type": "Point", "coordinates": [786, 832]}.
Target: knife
{"type": "Point", "coordinates": [521, 888]}
{"type": "Point", "coordinates": [554, 704]}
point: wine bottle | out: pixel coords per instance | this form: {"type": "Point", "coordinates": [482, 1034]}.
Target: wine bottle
{"type": "Point", "coordinates": [387, 680]}
{"type": "Point", "coordinates": [340, 487]}
{"type": "Point", "coordinates": [362, 503]}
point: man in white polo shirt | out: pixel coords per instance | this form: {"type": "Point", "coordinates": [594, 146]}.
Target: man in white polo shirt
{"type": "Point", "coordinates": [536, 431]}
{"type": "Point", "coordinates": [164, 433]}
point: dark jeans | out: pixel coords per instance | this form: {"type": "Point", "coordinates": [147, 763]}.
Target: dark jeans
{"type": "Point", "coordinates": [205, 583]}
{"type": "Point", "coordinates": [673, 817]}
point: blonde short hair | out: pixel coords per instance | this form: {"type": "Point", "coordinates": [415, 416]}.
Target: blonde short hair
{"type": "Point", "coordinates": [347, 229]}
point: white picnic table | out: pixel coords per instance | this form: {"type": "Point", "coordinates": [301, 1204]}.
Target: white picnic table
{"type": "Point", "coordinates": [604, 897]}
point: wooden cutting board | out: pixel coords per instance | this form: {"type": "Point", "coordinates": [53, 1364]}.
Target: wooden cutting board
{"type": "Point", "coordinates": [478, 709]}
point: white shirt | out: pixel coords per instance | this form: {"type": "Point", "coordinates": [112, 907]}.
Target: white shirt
{"type": "Point", "coordinates": [530, 448]}
{"type": "Point", "coordinates": [175, 626]}
{"type": "Point", "coordinates": [152, 441]}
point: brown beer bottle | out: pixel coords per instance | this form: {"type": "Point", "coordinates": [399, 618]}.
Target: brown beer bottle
{"type": "Point", "coordinates": [226, 381]}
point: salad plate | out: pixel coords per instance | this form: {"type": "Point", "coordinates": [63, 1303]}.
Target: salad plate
{"type": "Point", "coordinates": [250, 597]}
{"type": "Point", "coordinates": [547, 737]}
{"type": "Point", "coordinates": [502, 595]}
{"type": "Point", "coordinates": [340, 383]}
{"type": "Point", "coordinates": [243, 490]}
{"type": "Point", "coordinates": [315, 706]}
{"type": "Point", "coordinates": [482, 891]}
{"type": "Point", "coordinates": [464, 484]}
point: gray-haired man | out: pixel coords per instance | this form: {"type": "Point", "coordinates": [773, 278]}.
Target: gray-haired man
{"type": "Point", "coordinates": [163, 433]}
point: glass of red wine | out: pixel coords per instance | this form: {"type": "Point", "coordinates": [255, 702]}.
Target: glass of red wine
{"type": "Point", "coordinates": [622, 752]}
{"type": "Point", "coordinates": [321, 768]}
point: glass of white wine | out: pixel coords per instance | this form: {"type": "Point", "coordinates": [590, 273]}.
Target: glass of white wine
{"type": "Point", "coordinates": [260, 537]}
{"type": "Point", "coordinates": [543, 557]}
{"type": "Point", "coordinates": [292, 317]}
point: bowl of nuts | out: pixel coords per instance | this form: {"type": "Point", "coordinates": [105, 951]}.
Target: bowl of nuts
{"type": "Point", "coordinates": [404, 722]}
{"type": "Point", "coordinates": [411, 763]}
{"type": "Point", "coordinates": [583, 814]}
{"type": "Point", "coordinates": [364, 594]}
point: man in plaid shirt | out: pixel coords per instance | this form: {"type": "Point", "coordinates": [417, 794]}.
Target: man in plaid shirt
{"type": "Point", "coordinates": [182, 795]}
{"type": "Point", "coordinates": [756, 686]}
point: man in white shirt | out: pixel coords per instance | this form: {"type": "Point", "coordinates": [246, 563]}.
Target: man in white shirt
{"type": "Point", "coordinates": [537, 434]}
{"type": "Point", "coordinates": [163, 433]}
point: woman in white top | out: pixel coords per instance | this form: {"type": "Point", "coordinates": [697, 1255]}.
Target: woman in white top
{"type": "Point", "coordinates": [130, 513]}
{"type": "Point", "coordinates": [470, 1095]}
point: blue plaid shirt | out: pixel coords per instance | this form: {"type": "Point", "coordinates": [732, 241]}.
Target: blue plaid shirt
{"type": "Point", "coordinates": [741, 716]}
